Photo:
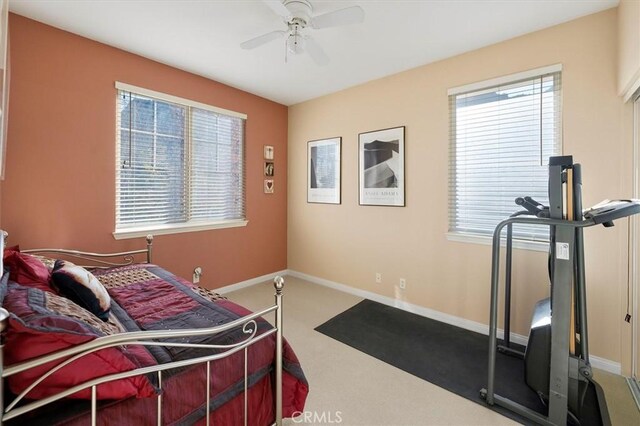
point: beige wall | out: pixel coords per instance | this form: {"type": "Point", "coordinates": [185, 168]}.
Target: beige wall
{"type": "Point", "coordinates": [628, 46]}
{"type": "Point", "coordinates": [349, 243]}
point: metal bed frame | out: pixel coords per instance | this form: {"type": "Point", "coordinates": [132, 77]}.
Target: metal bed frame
{"type": "Point", "coordinates": [247, 324]}
{"type": "Point", "coordinates": [97, 259]}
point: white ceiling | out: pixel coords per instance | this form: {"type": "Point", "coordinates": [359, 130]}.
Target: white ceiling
{"type": "Point", "coordinates": [203, 36]}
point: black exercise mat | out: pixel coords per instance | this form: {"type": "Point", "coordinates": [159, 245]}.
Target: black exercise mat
{"type": "Point", "coordinates": [447, 356]}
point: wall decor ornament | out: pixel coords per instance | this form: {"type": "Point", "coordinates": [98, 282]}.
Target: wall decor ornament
{"type": "Point", "coordinates": [269, 169]}
{"type": "Point", "coordinates": [268, 186]}
{"type": "Point", "coordinates": [268, 152]}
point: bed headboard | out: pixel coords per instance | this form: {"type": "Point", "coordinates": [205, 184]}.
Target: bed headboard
{"type": "Point", "coordinates": [95, 260]}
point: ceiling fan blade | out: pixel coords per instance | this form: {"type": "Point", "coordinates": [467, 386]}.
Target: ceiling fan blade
{"type": "Point", "coordinates": [349, 15]}
{"type": "Point", "coordinates": [260, 40]}
{"type": "Point", "coordinates": [316, 52]}
{"type": "Point", "coordinates": [278, 7]}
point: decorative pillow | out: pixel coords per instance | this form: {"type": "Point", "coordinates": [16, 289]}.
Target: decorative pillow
{"type": "Point", "coordinates": [82, 287]}
{"type": "Point", "coordinates": [43, 322]}
{"type": "Point", "coordinates": [63, 306]}
{"type": "Point", "coordinates": [27, 270]}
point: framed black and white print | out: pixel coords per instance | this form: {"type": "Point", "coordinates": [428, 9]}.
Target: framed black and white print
{"type": "Point", "coordinates": [381, 167]}
{"type": "Point", "coordinates": [323, 171]}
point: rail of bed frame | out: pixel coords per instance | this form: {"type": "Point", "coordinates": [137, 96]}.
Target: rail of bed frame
{"type": "Point", "coordinates": [128, 257]}
{"type": "Point", "coordinates": [144, 338]}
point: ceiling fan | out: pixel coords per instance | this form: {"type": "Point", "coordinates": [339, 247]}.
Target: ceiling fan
{"type": "Point", "coordinates": [299, 19]}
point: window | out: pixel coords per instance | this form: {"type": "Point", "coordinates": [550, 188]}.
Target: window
{"type": "Point", "coordinates": [502, 134]}
{"type": "Point", "coordinates": [180, 164]}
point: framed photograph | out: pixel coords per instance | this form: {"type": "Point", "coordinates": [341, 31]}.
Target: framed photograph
{"type": "Point", "coordinates": [268, 186]}
{"type": "Point", "coordinates": [381, 167]}
{"type": "Point", "coordinates": [268, 152]}
{"type": "Point", "coordinates": [269, 168]}
{"type": "Point", "coordinates": [323, 171]}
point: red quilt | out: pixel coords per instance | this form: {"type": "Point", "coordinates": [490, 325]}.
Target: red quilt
{"type": "Point", "coordinates": [146, 297]}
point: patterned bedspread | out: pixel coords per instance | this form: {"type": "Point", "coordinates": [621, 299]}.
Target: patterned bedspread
{"type": "Point", "coordinates": [147, 297]}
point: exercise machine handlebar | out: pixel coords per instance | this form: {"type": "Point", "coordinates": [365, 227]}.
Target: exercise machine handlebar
{"type": "Point", "coordinates": [533, 207]}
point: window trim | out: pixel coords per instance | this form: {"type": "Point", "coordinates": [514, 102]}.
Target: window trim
{"type": "Point", "coordinates": [506, 79]}
{"type": "Point", "coordinates": [467, 237]}
{"type": "Point", "coordinates": [180, 227]}
{"type": "Point", "coordinates": [177, 228]}
{"type": "Point", "coordinates": [487, 240]}
{"type": "Point", "coordinates": [177, 100]}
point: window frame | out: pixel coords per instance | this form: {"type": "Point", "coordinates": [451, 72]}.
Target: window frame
{"type": "Point", "coordinates": [487, 239]}
{"type": "Point", "coordinates": [179, 227]}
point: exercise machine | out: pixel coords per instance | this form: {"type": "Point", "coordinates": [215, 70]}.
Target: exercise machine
{"type": "Point", "coordinates": [556, 358]}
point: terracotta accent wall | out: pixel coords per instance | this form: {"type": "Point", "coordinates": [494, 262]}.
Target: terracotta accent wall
{"type": "Point", "coordinates": [60, 178]}
{"type": "Point", "coordinates": [348, 243]}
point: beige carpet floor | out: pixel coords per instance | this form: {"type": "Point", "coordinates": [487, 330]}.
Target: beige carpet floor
{"type": "Point", "coordinates": [348, 387]}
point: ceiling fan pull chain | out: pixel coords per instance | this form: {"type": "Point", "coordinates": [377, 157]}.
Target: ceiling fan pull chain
{"type": "Point", "coordinates": [285, 51]}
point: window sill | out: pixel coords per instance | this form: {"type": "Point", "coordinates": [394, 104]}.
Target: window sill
{"type": "Point", "coordinates": [173, 228]}
{"type": "Point", "coordinates": [486, 240]}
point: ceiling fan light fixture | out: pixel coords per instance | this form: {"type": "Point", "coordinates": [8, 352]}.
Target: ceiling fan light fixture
{"type": "Point", "coordinates": [295, 42]}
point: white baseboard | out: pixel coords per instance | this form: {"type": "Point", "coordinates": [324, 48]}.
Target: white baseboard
{"type": "Point", "coordinates": [605, 364]}
{"type": "Point", "coordinates": [250, 282]}
{"type": "Point", "coordinates": [597, 362]}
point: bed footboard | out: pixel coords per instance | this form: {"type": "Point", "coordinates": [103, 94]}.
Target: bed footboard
{"type": "Point", "coordinates": [148, 338]}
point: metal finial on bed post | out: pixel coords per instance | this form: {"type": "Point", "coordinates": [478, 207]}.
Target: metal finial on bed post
{"type": "Point", "coordinates": [4, 318]}
{"type": "Point", "coordinates": [278, 283]}
{"type": "Point", "coordinates": [149, 247]}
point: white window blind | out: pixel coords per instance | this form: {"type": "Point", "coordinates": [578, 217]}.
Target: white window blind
{"type": "Point", "coordinates": [501, 138]}
{"type": "Point", "coordinates": [177, 163]}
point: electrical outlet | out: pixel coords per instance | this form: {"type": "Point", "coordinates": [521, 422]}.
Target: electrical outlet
{"type": "Point", "coordinates": [197, 271]}
{"type": "Point", "coordinates": [378, 277]}
{"type": "Point", "coordinates": [403, 283]}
